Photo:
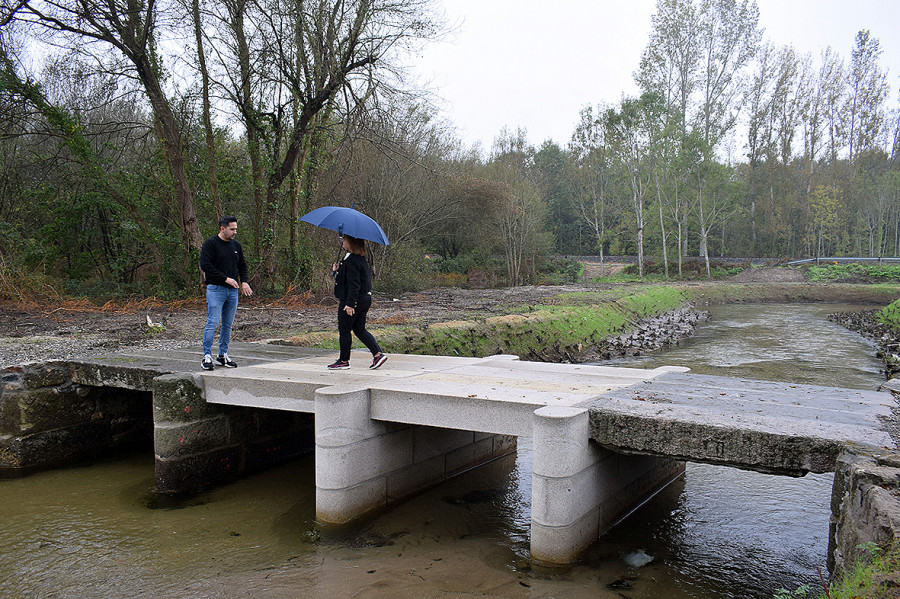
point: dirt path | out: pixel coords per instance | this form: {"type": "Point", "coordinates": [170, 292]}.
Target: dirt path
{"type": "Point", "coordinates": [58, 333]}
{"type": "Point", "coordinates": [55, 333]}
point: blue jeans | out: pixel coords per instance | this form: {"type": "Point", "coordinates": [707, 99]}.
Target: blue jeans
{"type": "Point", "coordinates": [221, 304]}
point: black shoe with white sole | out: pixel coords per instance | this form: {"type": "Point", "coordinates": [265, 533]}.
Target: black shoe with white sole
{"type": "Point", "coordinates": [225, 361]}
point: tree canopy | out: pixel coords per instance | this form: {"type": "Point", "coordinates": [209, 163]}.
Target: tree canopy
{"type": "Point", "coordinates": [130, 126]}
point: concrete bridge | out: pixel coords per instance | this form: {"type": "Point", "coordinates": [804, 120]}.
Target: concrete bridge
{"type": "Point", "coordinates": [605, 439]}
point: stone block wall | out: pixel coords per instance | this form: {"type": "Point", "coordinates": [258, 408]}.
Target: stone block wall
{"type": "Point", "coordinates": [47, 419]}
{"type": "Point", "coordinates": [865, 508]}
{"type": "Point", "coordinates": [199, 444]}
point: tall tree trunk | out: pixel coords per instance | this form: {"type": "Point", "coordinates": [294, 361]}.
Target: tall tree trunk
{"type": "Point", "coordinates": [662, 225]}
{"type": "Point", "coordinates": [207, 119]}
{"type": "Point", "coordinates": [169, 133]}
{"type": "Point", "coordinates": [250, 116]}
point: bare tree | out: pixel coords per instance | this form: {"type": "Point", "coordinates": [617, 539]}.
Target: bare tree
{"type": "Point", "coordinates": [521, 216]}
{"type": "Point", "coordinates": [197, 22]}
{"type": "Point", "coordinates": [633, 132]}
{"type": "Point", "coordinates": [307, 66]}
{"type": "Point", "coordinates": [669, 63]}
{"type": "Point", "coordinates": [867, 91]}
{"type": "Point", "coordinates": [132, 31]}
{"type": "Point", "coordinates": [832, 89]}
{"type": "Point", "coordinates": [729, 38]}
{"type": "Point", "coordinates": [589, 147]}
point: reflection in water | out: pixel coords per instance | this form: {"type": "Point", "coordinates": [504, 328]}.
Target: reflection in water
{"type": "Point", "coordinates": [718, 532]}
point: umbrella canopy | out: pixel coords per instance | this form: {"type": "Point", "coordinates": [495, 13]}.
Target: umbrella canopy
{"type": "Point", "coordinates": [346, 221]}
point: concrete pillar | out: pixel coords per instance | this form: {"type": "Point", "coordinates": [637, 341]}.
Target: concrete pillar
{"type": "Point", "coordinates": [364, 465]}
{"type": "Point", "coordinates": [565, 489]}
{"type": "Point", "coordinates": [580, 490]}
{"type": "Point", "coordinates": [352, 453]}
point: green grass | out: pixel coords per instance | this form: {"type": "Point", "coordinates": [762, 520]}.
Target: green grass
{"type": "Point", "coordinates": [873, 578]}
{"type": "Point", "coordinates": [855, 272]}
{"type": "Point", "coordinates": [890, 315]}
{"type": "Point", "coordinates": [565, 326]}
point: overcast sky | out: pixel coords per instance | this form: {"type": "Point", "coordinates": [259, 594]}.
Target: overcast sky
{"type": "Point", "coordinates": [535, 64]}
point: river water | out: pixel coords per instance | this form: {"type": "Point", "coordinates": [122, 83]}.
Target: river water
{"type": "Point", "coordinates": [98, 530]}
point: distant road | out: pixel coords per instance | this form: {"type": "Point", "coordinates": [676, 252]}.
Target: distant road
{"type": "Point", "coordinates": [730, 260]}
{"type": "Point", "coordinates": [842, 260]}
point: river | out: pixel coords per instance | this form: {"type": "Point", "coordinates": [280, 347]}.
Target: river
{"type": "Point", "coordinates": [99, 531]}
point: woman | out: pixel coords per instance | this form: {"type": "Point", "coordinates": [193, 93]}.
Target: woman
{"type": "Point", "coordinates": [353, 288]}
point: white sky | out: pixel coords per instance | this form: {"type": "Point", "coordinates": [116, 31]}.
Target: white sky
{"type": "Point", "coordinates": [536, 64]}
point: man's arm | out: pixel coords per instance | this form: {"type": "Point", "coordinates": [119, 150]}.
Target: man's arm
{"type": "Point", "coordinates": [242, 270]}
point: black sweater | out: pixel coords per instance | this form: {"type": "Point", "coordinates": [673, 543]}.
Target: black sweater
{"type": "Point", "coordinates": [353, 279]}
{"type": "Point", "coordinates": [220, 260]}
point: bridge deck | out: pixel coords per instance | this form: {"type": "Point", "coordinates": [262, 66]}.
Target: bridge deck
{"type": "Point", "coordinates": [758, 425]}
{"type": "Point", "coordinates": [496, 395]}
{"type": "Point", "coordinates": [585, 421]}
{"type": "Point", "coordinates": [766, 426]}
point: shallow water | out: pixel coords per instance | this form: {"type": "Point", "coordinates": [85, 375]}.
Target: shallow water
{"type": "Point", "coordinates": [718, 532]}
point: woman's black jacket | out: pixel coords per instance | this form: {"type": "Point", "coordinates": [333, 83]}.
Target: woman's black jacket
{"type": "Point", "coordinates": [353, 279]}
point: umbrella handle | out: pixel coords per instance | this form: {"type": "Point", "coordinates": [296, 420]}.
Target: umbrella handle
{"type": "Point", "coordinates": [337, 260]}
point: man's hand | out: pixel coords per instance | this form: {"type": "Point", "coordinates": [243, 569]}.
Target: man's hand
{"type": "Point", "coordinates": [245, 289]}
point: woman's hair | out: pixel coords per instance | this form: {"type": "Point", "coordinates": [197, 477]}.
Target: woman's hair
{"type": "Point", "coordinates": [357, 246]}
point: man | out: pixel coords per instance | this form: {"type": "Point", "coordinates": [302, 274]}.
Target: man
{"type": "Point", "coordinates": [222, 263]}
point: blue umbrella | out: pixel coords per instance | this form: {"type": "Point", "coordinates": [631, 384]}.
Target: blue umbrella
{"type": "Point", "coordinates": [346, 221]}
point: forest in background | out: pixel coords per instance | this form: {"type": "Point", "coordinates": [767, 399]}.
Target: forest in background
{"type": "Point", "coordinates": [130, 126]}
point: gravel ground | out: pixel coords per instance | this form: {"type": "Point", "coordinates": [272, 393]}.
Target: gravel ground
{"type": "Point", "coordinates": [38, 335]}
{"type": "Point", "coordinates": [61, 332]}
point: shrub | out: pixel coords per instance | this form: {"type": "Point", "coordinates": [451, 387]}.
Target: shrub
{"type": "Point", "coordinates": [557, 270]}
{"type": "Point", "coordinates": [854, 272]}
{"type": "Point", "coordinates": [19, 282]}
{"type": "Point", "coordinates": [405, 269]}
{"type": "Point", "coordinates": [691, 268]}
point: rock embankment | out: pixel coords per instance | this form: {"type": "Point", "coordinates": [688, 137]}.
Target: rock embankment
{"type": "Point", "coordinates": [885, 338]}
{"type": "Point", "coordinates": [651, 334]}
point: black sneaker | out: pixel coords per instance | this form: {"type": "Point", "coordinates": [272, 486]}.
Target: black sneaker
{"type": "Point", "coordinates": [225, 361]}
{"type": "Point", "coordinates": [378, 360]}
{"type": "Point", "coordinates": [339, 365]}
{"type": "Point", "coordinates": [207, 363]}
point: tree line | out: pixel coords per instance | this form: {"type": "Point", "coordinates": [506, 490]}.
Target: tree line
{"type": "Point", "coordinates": [130, 126]}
